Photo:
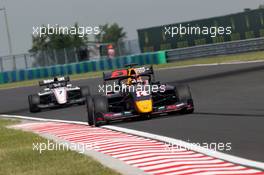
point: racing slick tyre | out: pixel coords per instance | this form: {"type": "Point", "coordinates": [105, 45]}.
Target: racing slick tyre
{"type": "Point", "coordinates": [90, 110]}
{"type": "Point", "coordinates": [85, 91]}
{"type": "Point", "coordinates": [33, 101]}
{"type": "Point", "coordinates": [100, 106]}
{"type": "Point", "coordinates": [184, 95]}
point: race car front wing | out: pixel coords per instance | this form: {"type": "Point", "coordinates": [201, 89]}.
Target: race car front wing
{"type": "Point", "coordinates": [69, 102]}
{"type": "Point", "coordinates": [111, 116]}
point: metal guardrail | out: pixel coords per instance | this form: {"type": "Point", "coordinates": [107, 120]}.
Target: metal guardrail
{"type": "Point", "coordinates": [225, 48]}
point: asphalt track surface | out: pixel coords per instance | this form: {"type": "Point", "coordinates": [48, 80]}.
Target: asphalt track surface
{"type": "Point", "coordinates": [228, 101]}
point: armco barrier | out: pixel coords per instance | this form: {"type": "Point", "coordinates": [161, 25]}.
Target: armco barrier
{"type": "Point", "coordinates": [82, 67]}
{"type": "Point", "coordinates": [225, 48]}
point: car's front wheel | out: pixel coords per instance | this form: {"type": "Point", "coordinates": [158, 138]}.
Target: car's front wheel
{"type": "Point", "coordinates": [100, 106]}
{"type": "Point", "coordinates": [184, 95]}
{"type": "Point", "coordinates": [90, 110]}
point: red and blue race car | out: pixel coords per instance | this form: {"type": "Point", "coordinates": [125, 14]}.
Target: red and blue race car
{"type": "Point", "coordinates": [135, 93]}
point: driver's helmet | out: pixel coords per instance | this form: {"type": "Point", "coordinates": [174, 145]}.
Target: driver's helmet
{"type": "Point", "coordinates": [57, 85]}
{"type": "Point", "coordinates": [56, 82]}
{"type": "Point", "coordinates": [135, 78]}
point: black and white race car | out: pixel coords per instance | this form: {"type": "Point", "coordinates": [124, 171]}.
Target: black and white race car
{"type": "Point", "coordinates": [57, 93]}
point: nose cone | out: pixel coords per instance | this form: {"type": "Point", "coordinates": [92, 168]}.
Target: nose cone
{"type": "Point", "coordinates": [61, 95]}
{"type": "Point", "coordinates": [144, 106]}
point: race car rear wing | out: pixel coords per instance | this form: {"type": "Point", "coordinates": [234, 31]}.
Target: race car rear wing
{"type": "Point", "coordinates": [116, 74]}
{"type": "Point", "coordinates": [123, 73]}
{"type": "Point", "coordinates": [146, 70]}
{"type": "Point", "coordinates": [54, 80]}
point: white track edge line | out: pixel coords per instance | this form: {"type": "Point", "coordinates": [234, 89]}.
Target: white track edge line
{"type": "Point", "coordinates": [42, 119]}
{"type": "Point", "coordinates": [216, 154]}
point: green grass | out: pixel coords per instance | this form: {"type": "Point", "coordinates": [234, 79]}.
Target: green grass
{"type": "Point", "coordinates": [251, 56]}
{"type": "Point", "coordinates": [35, 82]}
{"type": "Point", "coordinates": [17, 156]}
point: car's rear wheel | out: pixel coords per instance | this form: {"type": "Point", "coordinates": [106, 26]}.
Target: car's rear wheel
{"type": "Point", "coordinates": [100, 106]}
{"type": "Point", "coordinates": [85, 91]}
{"type": "Point", "coordinates": [90, 110]}
{"type": "Point", "coordinates": [34, 101]}
{"type": "Point", "coordinates": [184, 95]}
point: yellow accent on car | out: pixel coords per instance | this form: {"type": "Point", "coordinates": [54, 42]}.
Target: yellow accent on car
{"type": "Point", "coordinates": [130, 72]}
{"type": "Point", "coordinates": [144, 106]}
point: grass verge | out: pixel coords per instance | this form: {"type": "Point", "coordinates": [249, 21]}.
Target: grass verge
{"type": "Point", "coordinates": [251, 56]}
{"type": "Point", "coordinates": [17, 156]}
{"type": "Point", "coordinates": [35, 82]}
